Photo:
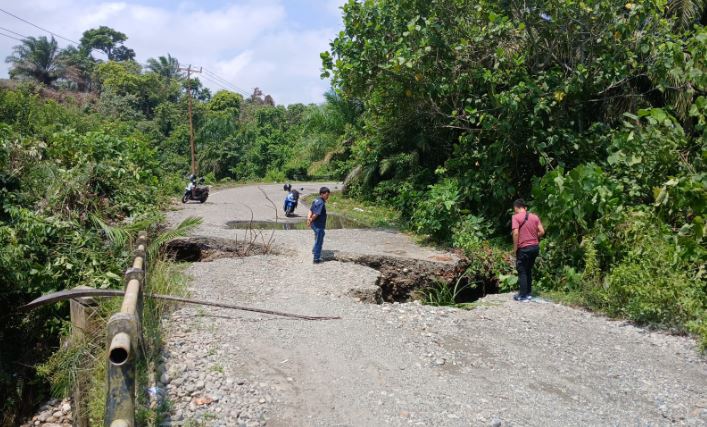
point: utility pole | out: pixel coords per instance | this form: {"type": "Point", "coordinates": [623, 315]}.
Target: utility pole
{"type": "Point", "coordinates": [189, 70]}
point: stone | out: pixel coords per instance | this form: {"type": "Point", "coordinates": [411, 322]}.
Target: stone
{"type": "Point", "coordinates": [496, 422]}
{"type": "Point", "coordinates": [164, 378]}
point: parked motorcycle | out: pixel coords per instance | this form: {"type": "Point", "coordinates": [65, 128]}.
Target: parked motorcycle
{"type": "Point", "coordinates": [196, 191]}
{"type": "Point", "coordinates": [291, 202]}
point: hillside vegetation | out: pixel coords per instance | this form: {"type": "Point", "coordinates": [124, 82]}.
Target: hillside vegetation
{"type": "Point", "coordinates": [594, 111]}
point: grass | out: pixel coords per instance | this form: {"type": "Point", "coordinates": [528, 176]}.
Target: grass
{"type": "Point", "coordinates": [365, 213]}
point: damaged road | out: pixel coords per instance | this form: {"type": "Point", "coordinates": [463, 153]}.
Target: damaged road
{"type": "Point", "coordinates": [502, 363]}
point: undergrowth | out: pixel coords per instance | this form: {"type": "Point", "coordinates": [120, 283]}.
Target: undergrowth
{"type": "Point", "coordinates": [86, 357]}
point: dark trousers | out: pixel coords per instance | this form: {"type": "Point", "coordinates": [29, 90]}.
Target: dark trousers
{"type": "Point", "coordinates": [318, 242]}
{"type": "Point", "coordinates": [525, 259]}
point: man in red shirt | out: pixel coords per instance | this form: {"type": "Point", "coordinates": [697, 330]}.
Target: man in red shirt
{"type": "Point", "coordinates": [527, 231]}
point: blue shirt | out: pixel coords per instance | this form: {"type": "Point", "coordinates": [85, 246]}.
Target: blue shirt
{"type": "Point", "coordinates": [319, 208]}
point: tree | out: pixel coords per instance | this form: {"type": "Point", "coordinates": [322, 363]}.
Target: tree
{"type": "Point", "coordinates": [167, 67]}
{"type": "Point", "coordinates": [225, 100]}
{"type": "Point", "coordinates": [108, 41]}
{"type": "Point", "coordinates": [78, 66]}
{"type": "Point", "coordinates": [257, 98]}
{"type": "Point", "coordinates": [36, 58]}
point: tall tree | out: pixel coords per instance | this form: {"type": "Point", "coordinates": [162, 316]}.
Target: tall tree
{"type": "Point", "coordinates": [78, 66]}
{"type": "Point", "coordinates": [36, 58]}
{"type": "Point", "coordinates": [167, 67]}
{"type": "Point", "coordinates": [108, 41]}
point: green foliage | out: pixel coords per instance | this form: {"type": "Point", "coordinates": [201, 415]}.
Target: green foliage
{"type": "Point", "coordinates": [439, 211]}
{"type": "Point", "coordinates": [66, 180]}
{"type": "Point", "coordinates": [226, 101]}
{"type": "Point", "coordinates": [443, 294]}
{"type": "Point", "coordinates": [109, 41]}
{"type": "Point", "coordinates": [471, 231]}
{"type": "Point", "coordinates": [594, 108]}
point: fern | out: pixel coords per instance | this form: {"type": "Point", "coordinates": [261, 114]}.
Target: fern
{"type": "Point", "coordinates": [183, 229]}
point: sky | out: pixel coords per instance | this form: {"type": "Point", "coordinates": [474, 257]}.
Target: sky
{"type": "Point", "coordinates": [270, 44]}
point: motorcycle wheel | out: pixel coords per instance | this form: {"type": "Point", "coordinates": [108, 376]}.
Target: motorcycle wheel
{"type": "Point", "coordinates": [185, 198]}
{"type": "Point", "coordinates": [203, 199]}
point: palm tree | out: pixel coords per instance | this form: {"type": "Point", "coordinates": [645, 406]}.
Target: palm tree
{"type": "Point", "coordinates": [687, 12]}
{"type": "Point", "coordinates": [167, 67]}
{"type": "Point", "coordinates": [36, 58]}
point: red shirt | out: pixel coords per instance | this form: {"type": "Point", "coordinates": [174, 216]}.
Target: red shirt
{"type": "Point", "coordinates": [528, 233]}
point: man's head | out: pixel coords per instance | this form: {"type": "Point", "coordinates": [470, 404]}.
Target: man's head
{"type": "Point", "coordinates": [324, 193]}
{"type": "Point", "coordinates": [519, 205]}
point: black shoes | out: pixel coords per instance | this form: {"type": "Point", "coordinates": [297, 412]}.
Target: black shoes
{"type": "Point", "coordinates": [522, 298]}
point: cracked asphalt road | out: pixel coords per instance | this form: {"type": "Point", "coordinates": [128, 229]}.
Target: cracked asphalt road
{"type": "Point", "coordinates": [502, 363]}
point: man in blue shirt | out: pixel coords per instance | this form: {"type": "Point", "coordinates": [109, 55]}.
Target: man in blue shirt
{"type": "Point", "coordinates": [316, 219]}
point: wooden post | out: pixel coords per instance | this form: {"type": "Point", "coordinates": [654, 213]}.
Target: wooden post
{"type": "Point", "coordinates": [83, 326]}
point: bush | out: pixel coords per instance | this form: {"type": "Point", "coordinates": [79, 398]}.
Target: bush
{"type": "Point", "coordinates": [471, 231]}
{"type": "Point", "coordinates": [437, 213]}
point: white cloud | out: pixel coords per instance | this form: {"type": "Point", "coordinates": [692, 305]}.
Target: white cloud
{"type": "Point", "coordinates": [250, 43]}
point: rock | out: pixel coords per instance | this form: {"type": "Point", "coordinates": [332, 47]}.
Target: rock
{"type": "Point", "coordinates": [164, 378]}
{"type": "Point", "coordinates": [496, 422]}
{"type": "Point", "coordinates": [66, 408]}
{"type": "Point", "coordinates": [439, 362]}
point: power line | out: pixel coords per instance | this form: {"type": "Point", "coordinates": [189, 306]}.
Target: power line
{"type": "Point", "coordinates": [226, 82]}
{"type": "Point", "coordinates": [10, 31]}
{"type": "Point", "coordinates": [10, 37]}
{"type": "Point", "coordinates": [45, 30]}
{"type": "Point", "coordinates": [38, 27]}
{"type": "Point", "coordinates": [221, 85]}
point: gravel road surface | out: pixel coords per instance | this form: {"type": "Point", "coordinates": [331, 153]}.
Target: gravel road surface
{"type": "Point", "coordinates": [500, 364]}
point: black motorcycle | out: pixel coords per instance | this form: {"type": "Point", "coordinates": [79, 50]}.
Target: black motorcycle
{"type": "Point", "coordinates": [197, 192]}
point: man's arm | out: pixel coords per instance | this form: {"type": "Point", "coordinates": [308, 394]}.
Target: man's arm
{"type": "Point", "coordinates": [515, 241]}
{"type": "Point", "coordinates": [311, 217]}
{"type": "Point", "coordinates": [541, 230]}
{"type": "Point", "coordinates": [314, 211]}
